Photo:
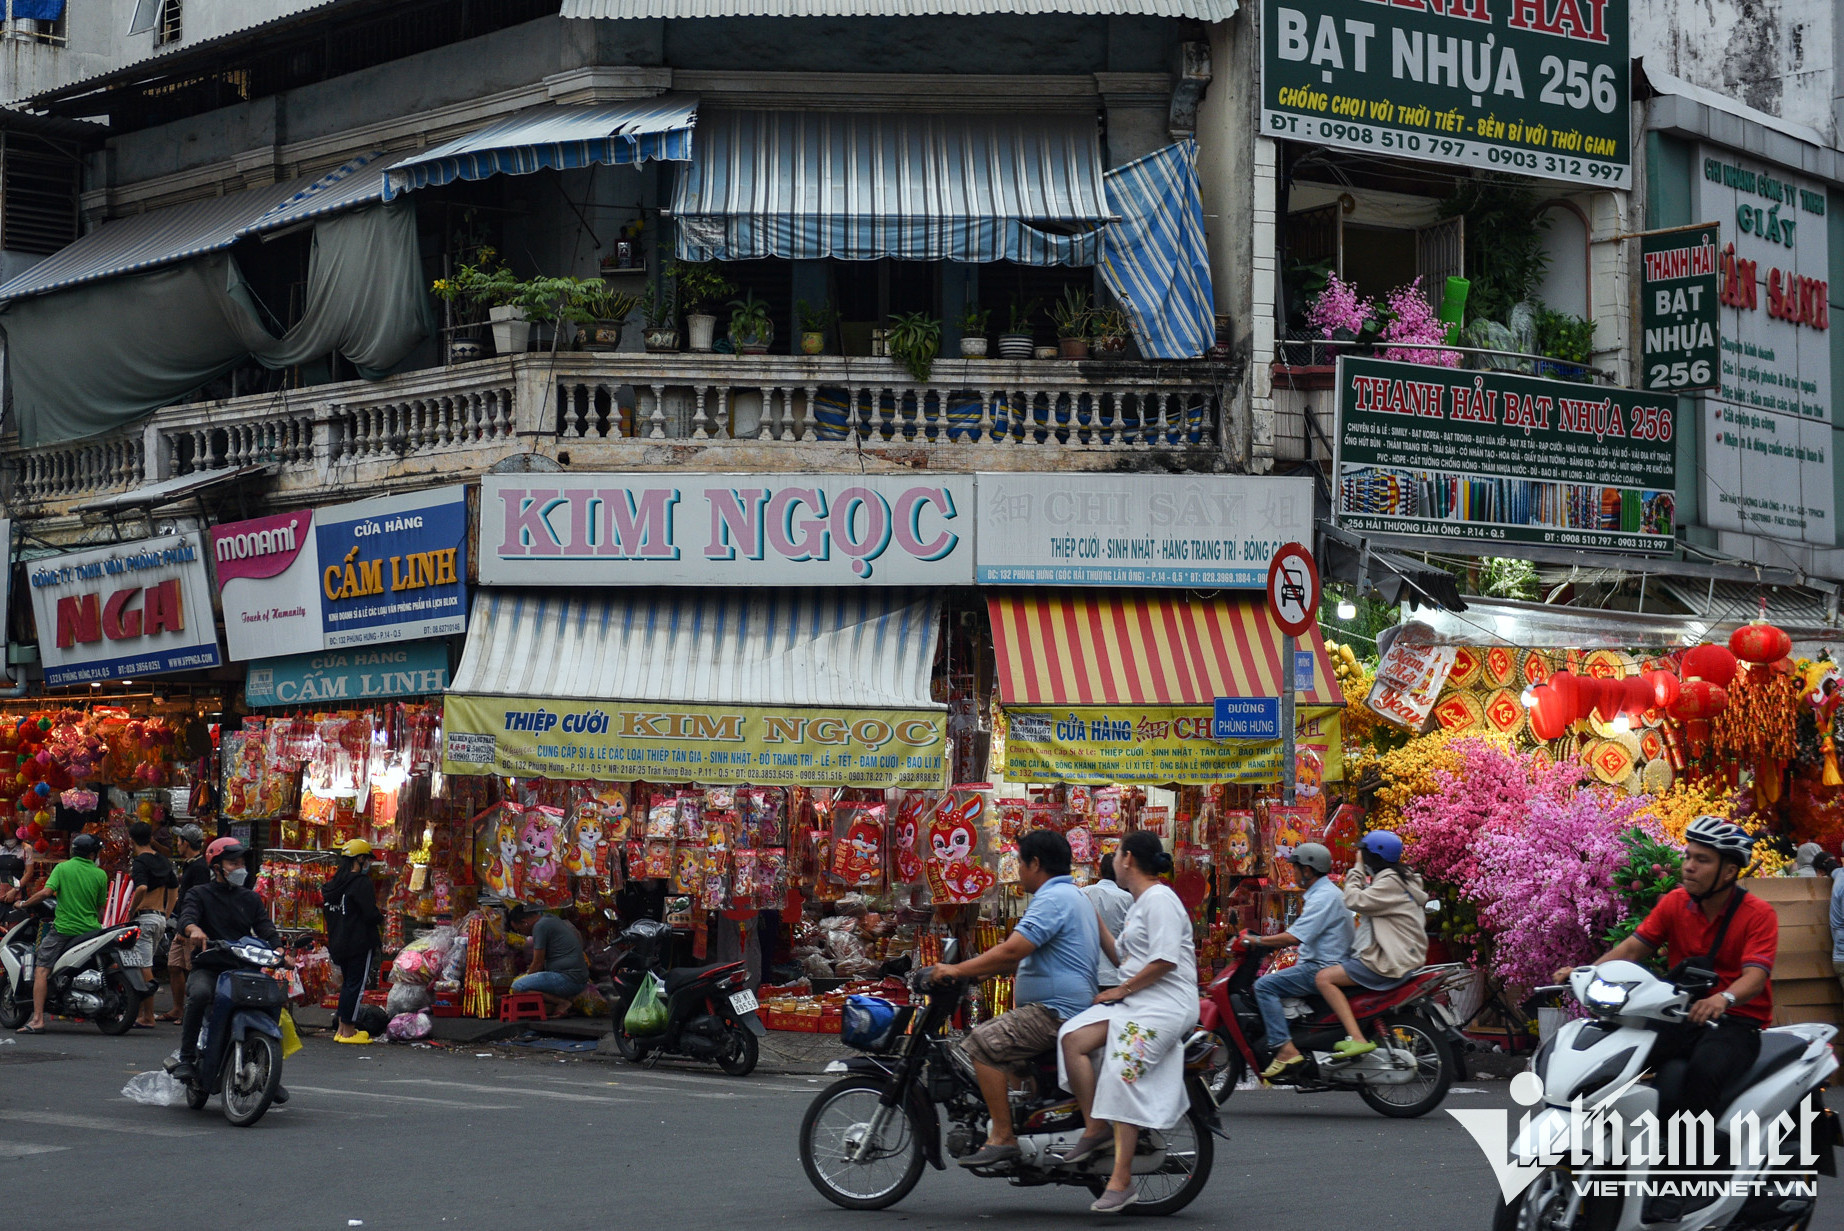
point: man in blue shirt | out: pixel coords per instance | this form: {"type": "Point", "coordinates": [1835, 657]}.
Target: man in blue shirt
{"type": "Point", "coordinates": [1323, 931]}
{"type": "Point", "coordinates": [1055, 950]}
{"type": "Point", "coordinates": [1827, 866]}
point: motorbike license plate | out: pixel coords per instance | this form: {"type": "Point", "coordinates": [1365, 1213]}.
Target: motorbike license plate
{"type": "Point", "coordinates": [743, 1002]}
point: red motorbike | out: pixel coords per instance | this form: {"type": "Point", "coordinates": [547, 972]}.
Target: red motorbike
{"type": "Point", "coordinates": [1419, 1051]}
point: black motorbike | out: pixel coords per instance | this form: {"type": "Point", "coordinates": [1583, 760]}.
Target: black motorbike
{"type": "Point", "coordinates": [240, 1042]}
{"type": "Point", "coordinates": [865, 1138]}
{"type": "Point", "coordinates": [710, 1010]}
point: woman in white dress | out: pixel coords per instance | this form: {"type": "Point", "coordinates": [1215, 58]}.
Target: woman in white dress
{"type": "Point", "coordinates": [1138, 1026]}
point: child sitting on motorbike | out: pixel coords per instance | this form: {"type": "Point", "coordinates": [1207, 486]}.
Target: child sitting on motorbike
{"type": "Point", "coordinates": [1392, 933]}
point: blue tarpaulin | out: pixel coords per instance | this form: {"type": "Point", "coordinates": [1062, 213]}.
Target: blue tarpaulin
{"type": "Point", "coordinates": [37, 10]}
{"type": "Point", "coordinates": [1153, 256]}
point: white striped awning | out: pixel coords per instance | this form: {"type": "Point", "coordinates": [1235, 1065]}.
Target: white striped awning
{"type": "Point", "coordinates": [859, 649]}
{"type": "Point", "coordinates": [1200, 10]}
{"type": "Point", "coordinates": [560, 138]}
{"type": "Point", "coordinates": [812, 184]}
{"type": "Point", "coordinates": [164, 236]}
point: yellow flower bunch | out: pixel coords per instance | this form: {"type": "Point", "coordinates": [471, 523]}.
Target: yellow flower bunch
{"type": "Point", "coordinates": [1354, 680]}
{"type": "Point", "coordinates": [1768, 860]}
{"type": "Point", "coordinates": [1411, 770]}
{"type": "Point", "coordinates": [1684, 803]}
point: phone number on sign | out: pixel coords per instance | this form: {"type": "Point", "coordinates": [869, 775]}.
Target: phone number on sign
{"type": "Point", "coordinates": [1357, 136]}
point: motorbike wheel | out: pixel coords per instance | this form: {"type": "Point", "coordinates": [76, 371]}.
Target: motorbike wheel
{"type": "Point", "coordinates": [838, 1118]}
{"type": "Point", "coordinates": [1226, 1069]}
{"type": "Point", "coordinates": [13, 1014]}
{"type": "Point", "coordinates": [248, 1092]}
{"type": "Point", "coordinates": [1434, 1062]}
{"type": "Point", "coordinates": [1541, 1206]}
{"type": "Point", "coordinates": [196, 1096]}
{"type": "Point", "coordinates": [120, 1006]}
{"type": "Point", "coordinates": [1190, 1151]}
{"type": "Point", "coordinates": [738, 1058]}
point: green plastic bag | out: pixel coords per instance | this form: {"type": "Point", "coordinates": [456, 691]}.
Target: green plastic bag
{"type": "Point", "coordinates": [647, 1015]}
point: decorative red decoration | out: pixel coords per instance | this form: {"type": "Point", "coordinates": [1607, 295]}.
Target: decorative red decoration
{"type": "Point", "coordinates": [1760, 642]}
{"type": "Point", "coordinates": [1638, 697]}
{"type": "Point", "coordinates": [1664, 688]}
{"type": "Point", "coordinates": [1566, 688]}
{"type": "Point", "coordinates": [1549, 718]}
{"type": "Point", "coordinates": [1609, 698]}
{"type": "Point", "coordinates": [1700, 699]}
{"type": "Point", "coordinates": [1709, 662]}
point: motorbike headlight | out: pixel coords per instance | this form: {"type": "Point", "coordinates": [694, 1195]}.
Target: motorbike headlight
{"type": "Point", "coordinates": [1605, 997]}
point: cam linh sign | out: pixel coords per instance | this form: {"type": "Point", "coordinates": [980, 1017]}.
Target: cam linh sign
{"type": "Point", "coordinates": [1536, 87]}
{"type": "Point", "coordinates": [1495, 457]}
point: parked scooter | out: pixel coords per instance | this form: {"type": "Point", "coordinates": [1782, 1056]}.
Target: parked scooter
{"type": "Point", "coordinates": [240, 1044]}
{"type": "Point", "coordinates": [88, 981]}
{"type": "Point", "coordinates": [1418, 1047]}
{"type": "Point", "coordinates": [866, 1138]}
{"type": "Point", "coordinates": [711, 1011]}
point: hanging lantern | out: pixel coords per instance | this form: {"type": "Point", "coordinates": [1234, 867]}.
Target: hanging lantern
{"type": "Point", "coordinates": [1549, 718]}
{"type": "Point", "coordinates": [1609, 697]}
{"type": "Point", "coordinates": [1566, 688]}
{"type": "Point", "coordinates": [1760, 642]}
{"type": "Point", "coordinates": [1709, 662]}
{"type": "Point", "coordinates": [1638, 695]}
{"type": "Point", "coordinates": [1664, 688]}
{"type": "Point", "coordinates": [1700, 699]}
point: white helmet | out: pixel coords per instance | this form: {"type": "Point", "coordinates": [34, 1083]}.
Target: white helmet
{"type": "Point", "coordinates": [1727, 840]}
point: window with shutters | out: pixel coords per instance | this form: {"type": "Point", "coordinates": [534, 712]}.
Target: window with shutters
{"type": "Point", "coordinates": [39, 185]}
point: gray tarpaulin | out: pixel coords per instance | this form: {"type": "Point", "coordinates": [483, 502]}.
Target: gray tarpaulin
{"type": "Point", "coordinates": [94, 358]}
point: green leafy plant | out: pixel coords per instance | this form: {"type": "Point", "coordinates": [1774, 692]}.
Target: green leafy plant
{"type": "Point", "coordinates": [477, 286]}
{"type": "Point", "coordinates": [1109, 323]}
{"type": "Point", "coordinates": [1071, 313]}
{"type": "Point", "coordinates": [816, 320]}
{"type": "Point", "coordinates": [1565, 337]}
{"type": "Point", "coordinates": [1505, 577]}
{"type": "Point", "coordinates": [1021, 314]}
{"type": "Point", "coordinates": [594, 300]}
{"type": "Point", "coordinates": [914, 339]}
{"type": "Point", "coordinates": [1649, 873]}
{"type": "Point", "coordinates": [699, 283]}
{"type": "Point", "coordinates": [750, 321]}
{"type": "Point", "coordinates": [1505, 260]}
{"type": "Point", "coordinates": [973, 321]}
{"type": "Point", "coordinates": [659, 307]}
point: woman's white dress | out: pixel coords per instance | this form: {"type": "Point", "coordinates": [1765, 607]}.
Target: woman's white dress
{"type": "Point", "coordinates": [1141, 1069]}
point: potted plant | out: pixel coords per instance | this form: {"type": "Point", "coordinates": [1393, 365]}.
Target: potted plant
{"type": "Point", "coordinates": [1110, 330]}
{"type": "Point", "coordinates": [914, 340]}
{"type": "Point", "coordinates": [659, 312]}
{"type": "Point", "coordinates": [1016, 342]}
{"type": "Point", "coordinates": [484, 287]}
{"type": "Point", "coordinates": [1566, 343]}
{"type": "Point", "coordinates": [973, 332]}
{"type": "Point", "coordinates": [751, 327]}
{"type": "Point", "coordinates": [1071, 315]}
{"type": "Point", "coordinates": [600, 314]}
{"type": "Point", "coordinates": [814, 324]}
{"type": "Point", "coordinates": [700, 283]}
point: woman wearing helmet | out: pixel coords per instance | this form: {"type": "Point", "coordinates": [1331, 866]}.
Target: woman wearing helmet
{"type": "Point", "coordinates": [1392, 933]}
{"type": "Point", "coordinates": [351, 903]}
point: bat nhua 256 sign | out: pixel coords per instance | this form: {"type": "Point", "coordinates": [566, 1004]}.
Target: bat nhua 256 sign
{"type": "Point", "coordinates": [1538, 87]}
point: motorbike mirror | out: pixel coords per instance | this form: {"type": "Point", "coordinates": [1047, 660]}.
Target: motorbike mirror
{"type": "Point", "coordinates": [950, 952]}
{"type": "Point", "coordinates": [1433, 907]}
{"type": "Point", "coordinates": [610, 914]}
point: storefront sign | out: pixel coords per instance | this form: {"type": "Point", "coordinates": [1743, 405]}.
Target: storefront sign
{"type": "Point", "coordinates": [1492, 457]}
{"type": "Point", "coordinates": [1767, 428]}
{"type": "Point", "coordinates": [1215, 531]}
{"type": "Point", "coordinates": [118, 612]}
{"type": "Point", "coordinates": [1157, 744]}
{"type": "Point", "coordinates": [1247, 718]}
{"type": "Point", "coordinates": [1678, 319]}
{"type": "Point", "coordinates": [413, 669]}
{"type": "Point", "coordinates": [743, 744]}
{"type": "Point", "coordinates": [392, 569]}
{"type": "Point", "coordinates": [1537, 87]}
{"type": "Point", "coordinates": [706, 529]}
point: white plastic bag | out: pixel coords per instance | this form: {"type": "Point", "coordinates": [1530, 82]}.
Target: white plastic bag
{"type": "Point", "coordinates": [155, 1089]}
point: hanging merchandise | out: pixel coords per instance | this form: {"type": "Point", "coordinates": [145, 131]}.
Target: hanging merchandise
{"type": "Point", "coordinates": [917, 807]}
{"type": "Point", "coordinates": [858, 845]}
{"type": "Point", "coordinates": [955, 874]}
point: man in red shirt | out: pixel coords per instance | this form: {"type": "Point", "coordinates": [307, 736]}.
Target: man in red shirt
{"type": "Point", "coordinates": [1686, 923]}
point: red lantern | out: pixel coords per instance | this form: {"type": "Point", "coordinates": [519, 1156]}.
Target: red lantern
{"type": "Point", "coordinates": [1638, 697]}
{"type": "Point", "coordinates": [1549, 719]}
{"type": "Point", "coordinates": [1709, 662]}
{"type": "Point", "coordinates": [1566, 689]}
{"type": "Point", "coordinates": [1700, 699]}
{"type": "Point", "coordinates": [1664, 688]}
{"type": "Point", "coordinates": [1609, 696]}
{"type": "Point", "coordinates": [1760, 642]}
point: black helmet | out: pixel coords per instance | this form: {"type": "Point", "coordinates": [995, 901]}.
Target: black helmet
{"type": "Point", "coordinates": [85, 846]}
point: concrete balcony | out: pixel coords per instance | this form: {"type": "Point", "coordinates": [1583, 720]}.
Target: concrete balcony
{"type": "Point", "coordinates": [622, 411]}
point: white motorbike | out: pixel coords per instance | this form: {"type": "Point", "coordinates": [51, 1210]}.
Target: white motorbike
{"type": "Point", "coordinates": [1585, 1141]}
{"type": "Point", "coordinates": [87, 981]}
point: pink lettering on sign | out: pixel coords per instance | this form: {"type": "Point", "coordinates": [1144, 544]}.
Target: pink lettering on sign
{"type": "Point", "coordinates": [580, 521]}
{"type": "Point", "coordinates": [262, 547]}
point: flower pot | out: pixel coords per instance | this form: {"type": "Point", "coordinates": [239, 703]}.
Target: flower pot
{"type": "Point", "coordinates": [1072, 348]}
{"type": "Point", "coordinates": [1109, 346]}
{"type": "Point", "coordinates": [750, 343]}
{"type": "Point", "coordinates": [973, 348]}
{"type": "Point", "coordinates": [1016, 346]}
{"type": "Point", "coordinates": [1045, 352]}
{"type": "Point", "coordinates": [661, 340]}
{"type": "Point", "coordinates": [703, 328]}
{"type": "Point", "coordinates": [465, 350]}
{"type": "Point", "coordinates": [511, 331]}
{"type": "Point", "coordinates": [603, 335]}
{"type": "Point", "coordinates": [813, 342]}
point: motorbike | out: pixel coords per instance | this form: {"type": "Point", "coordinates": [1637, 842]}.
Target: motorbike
{"type": "Point", "coordinates": [1604, 1060]}
{"type": "Point", "coordinates": [1419, 1051]}
{"type": "Point", "coordinates": [88, 981]}
{"type": "Point", "coordinates": [710, 1010]}
{"type": "Point", "coordinates": [240, 1043]}
{"type": "Point", "coordinates": [866, 1139]}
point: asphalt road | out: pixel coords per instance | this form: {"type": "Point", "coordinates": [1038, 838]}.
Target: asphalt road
{"type": "Point", "coordinates": [393, 1137]}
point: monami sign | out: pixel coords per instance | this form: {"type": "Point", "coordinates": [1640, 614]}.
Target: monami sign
{"type": "Point", "coordinates": [645, 530]}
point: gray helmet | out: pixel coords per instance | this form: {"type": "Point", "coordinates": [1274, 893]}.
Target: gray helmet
{"type": "Point", "coordinates": [1312, 855]}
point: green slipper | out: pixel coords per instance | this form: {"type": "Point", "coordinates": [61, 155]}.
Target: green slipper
{"type": "Point", "coordinates": [1353, 1047]}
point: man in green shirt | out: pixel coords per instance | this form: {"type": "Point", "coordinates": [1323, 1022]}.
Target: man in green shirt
{"type": "Point", "coordinates": [79, 886]}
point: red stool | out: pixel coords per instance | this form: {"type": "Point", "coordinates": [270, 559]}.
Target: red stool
{"type": "Point", "coordinates": [521, 1006]}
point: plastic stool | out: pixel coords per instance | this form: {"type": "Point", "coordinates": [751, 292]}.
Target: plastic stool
{"type": "Point", "coordinates": [521, 1006]}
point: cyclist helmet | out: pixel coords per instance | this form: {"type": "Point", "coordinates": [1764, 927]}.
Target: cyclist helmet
{"type": "Point", "coordinates": [85, 846]}
{"type": "Point", "coordinates": [1383, 844]}
{"type": "Point", "coordinates": [221, 848]}
{"type": "Point", "coordinates": [1728, 841]}
{"type": "Point", "coordinates": [1312, 855]}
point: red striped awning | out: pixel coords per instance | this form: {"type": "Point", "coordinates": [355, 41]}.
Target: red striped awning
{"type": "Point", "coordinates": [1072, 648]}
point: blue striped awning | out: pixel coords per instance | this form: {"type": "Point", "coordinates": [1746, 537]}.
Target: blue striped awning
{"type": "Point", "coordinates": [164, 236]}
{"type": "Point", "coordinates": [810, 184]}
{"type": "Point", "coordinates": [1154, 259]}
{"type": "Point", "coordinates": [557, 138]}
{"type": "Point", "coordinates": [839, 648]}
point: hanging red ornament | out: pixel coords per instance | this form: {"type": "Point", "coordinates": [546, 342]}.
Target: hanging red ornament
{"type": "Point", "coordinates": [1567, 690]}
{"type": "Point", "coordinates": [1709, 662]}
{"type": "Point", "coordinates": [1549, 719]}
{"type": "Point", "coordinates": [1664, 689]}
{"type": "Point", "coordinates": [1638, 697]}
{"type": "Point", "coordinates": [1760, 642]}
{"type": "Point", "coordinates": [1700, 699]}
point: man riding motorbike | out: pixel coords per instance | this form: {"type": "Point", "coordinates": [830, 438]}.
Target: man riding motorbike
{"type": "Point", "coordinates": [1324, 932]}
{"type": "Point", "coordinates": [1710, 923]}
{"type": "Point", "coordinates": [1055, 950]}
{"type": "Point", "coordinates": [221, 909]}
{"type": "Point", "coordinates": [79, 886]}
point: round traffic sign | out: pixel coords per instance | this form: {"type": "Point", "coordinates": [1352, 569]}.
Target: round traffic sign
{"type": "Point", "coordinates": [1293, 589]}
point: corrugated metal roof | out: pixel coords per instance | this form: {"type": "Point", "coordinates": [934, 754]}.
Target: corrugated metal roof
{"type": "Point", "coordinates": [163, 236]}
{"type": "Point", "coordinates": [841, 649]}
{"type": "Point", "coordinates": [171, 491]}
{"type": "Point", "coordinates": [1202, 10]}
